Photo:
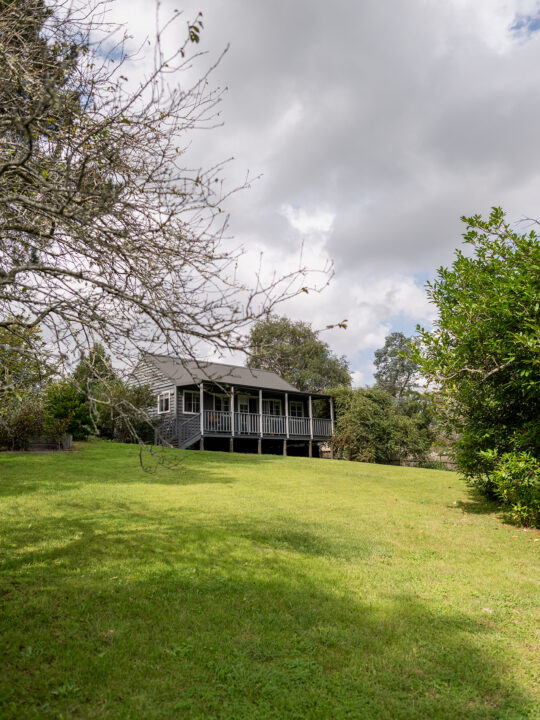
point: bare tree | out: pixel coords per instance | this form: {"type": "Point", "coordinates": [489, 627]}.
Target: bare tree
{"type": "Point", "coordinates": [107, 235]}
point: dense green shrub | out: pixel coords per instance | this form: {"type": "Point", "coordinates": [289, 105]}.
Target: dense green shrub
{"type": "Point", "coordinates": [64, 402]}
{"type": "Point", "coordinates": [516, 482]}
{"type": "Point", "coordinates": [372, 426]}
{"type": "Point", "coordinates": [21, 417]}
{"type": "Point", "coordinates": [121, 412]}
{"type": "Point", "coordinates": [482, 354]}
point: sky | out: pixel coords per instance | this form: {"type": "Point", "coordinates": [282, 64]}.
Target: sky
{"type": "Point", "coordinates": [371, 128]}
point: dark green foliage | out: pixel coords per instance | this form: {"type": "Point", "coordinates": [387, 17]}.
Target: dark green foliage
{"type": "Point", "coordinates": [371, 426]}
{"type": "Point", "coordinates": [515, 481]}
{"type": "Point", "coordinates": [121, 412]}
{"type": "Point", "coordinates": [396, 371]}
{"type": "Point", "coordinates": [484, 352]}
{"type": "Point", "coordinates": [294, 351]}
{"type": "Point", "coordinates": [21, 417]}
{"type": "Point", "coordinates": [23, 361]}
{"type": "Point", "coordinates": [94, 367]}
{"type": "Point", "coordinates": [65, 402]}
{"type": "Point", "coordinates": [93, 400]}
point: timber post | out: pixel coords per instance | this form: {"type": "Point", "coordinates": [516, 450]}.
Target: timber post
{"type": "Point", "coordinates": [232, 411]}
{"type": "Point", "coordinates": [285, 447]}
{"type": "Point", "coordinates": [310, 420]}
{"type": "Point", "coordinates": [201, 403]}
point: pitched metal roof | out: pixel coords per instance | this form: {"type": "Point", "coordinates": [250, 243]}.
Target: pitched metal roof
{"type": "Point", "coordinates": [192, 372]}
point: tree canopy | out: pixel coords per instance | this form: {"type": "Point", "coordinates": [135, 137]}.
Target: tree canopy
{"type": "Point", "coordinates": [396, 371]}
{"type": "Point", "coordinates": [371, 426]}
{"type": "Point", "coordinates": [294, 350]}
{"type": "Point", "coordinates": [483, 354]}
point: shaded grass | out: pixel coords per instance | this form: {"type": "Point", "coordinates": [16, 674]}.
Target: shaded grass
{"type": "Point", "coordinates": [238, 586]}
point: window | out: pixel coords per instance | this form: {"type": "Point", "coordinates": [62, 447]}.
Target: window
{"type": "Point", "coordinates": [222, 402]}
{"type": "Point", "coordinates": [296, 408]}
{"type": "Point", "coordinates": [164, 402]}
{"type": "Point", "coordinates": [192, 401]}
{"type": "Point", "coordinates": [272, 407]}
{"type": "Point", "coordinates": [243, 404]}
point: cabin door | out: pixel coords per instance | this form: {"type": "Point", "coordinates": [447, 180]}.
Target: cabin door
{"type": "Point", "coordinates": [243, 416]}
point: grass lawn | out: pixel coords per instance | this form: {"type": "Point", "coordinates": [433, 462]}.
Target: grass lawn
{"type": "Point", "coordinates": [239, 586]}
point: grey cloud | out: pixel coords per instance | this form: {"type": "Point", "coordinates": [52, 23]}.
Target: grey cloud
{"type": "Point", "coordinates": [408, 115]}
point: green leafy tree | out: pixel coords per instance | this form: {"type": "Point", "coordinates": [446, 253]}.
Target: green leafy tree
{"type": "Point", "coordinates": [396, 372]}
{"type": "Point", "coordinates": [23, 359]}
{"type": "Point", "coordinates": [483, 354]}
{"type": "Point", "coordinates": [121, 412]}
{"type": "Point", "coordinates": [21, 417]}
{"type": "Point", "coordinates": [94, 367]}
{"type": "Point", "coordinates": [294, 351]}
{"type": "Point", "coordinates": [65, 402]}
{"type": "Point", "coordinates": [371, 426]}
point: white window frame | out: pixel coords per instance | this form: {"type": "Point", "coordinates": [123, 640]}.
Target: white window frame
{"type": "Point", "coordinates": [274, 401]}
{"type": "Point", "coordinates": [242, 400]}
{"type": "Point", "coordinates": [225, 401]}
{"type": "Point", "coordinates": [196, 394]}
{"type": "Point", "coordinates": [167, 395]}
{"type": "Point", "coordinates": [296, 404]}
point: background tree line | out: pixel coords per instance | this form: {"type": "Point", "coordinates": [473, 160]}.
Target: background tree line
{"type": "Point", "coordinates": [383, 424]}
{"type": "Point", "coordinates": [93, 400]}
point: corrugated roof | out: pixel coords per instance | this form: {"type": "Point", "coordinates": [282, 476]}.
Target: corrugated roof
{"type": "Point", "coordinates": [192, 372]}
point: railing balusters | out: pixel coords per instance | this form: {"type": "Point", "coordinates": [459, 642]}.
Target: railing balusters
{"type": "Point", "coordinates": [219, 421]}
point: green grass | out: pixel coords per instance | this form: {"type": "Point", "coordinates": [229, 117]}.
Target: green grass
{"type": "Point", "coordinates": [238, 586]}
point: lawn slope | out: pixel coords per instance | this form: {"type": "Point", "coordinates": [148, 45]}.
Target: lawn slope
{"type": "Point", "coordinates": [239, 586]}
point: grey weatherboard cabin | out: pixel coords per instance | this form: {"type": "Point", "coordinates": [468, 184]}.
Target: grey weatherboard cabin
{"type": "Point", "coordinates": [220, 406]}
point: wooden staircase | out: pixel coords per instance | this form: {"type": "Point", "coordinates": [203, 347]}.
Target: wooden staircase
{"type": "Point", "coordinates": [179, 434]}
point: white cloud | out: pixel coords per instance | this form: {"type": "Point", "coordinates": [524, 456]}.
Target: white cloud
{"type": "Point", "coordinates": [319, 221]}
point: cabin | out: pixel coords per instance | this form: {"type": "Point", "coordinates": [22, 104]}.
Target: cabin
{"type": "Point", "coordinates": [208, 405]}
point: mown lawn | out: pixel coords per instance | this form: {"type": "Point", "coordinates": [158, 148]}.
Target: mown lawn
{"type": "Point", "coordinates": [238, 586]}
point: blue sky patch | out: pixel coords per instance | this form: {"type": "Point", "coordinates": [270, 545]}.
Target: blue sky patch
{"type": "Point", "coordinates": [526, 24]}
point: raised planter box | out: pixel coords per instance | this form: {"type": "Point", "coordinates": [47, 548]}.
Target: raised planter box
{"type": "Point", "coordinates": [48, 442]}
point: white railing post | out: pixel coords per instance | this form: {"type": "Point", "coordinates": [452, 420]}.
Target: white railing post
{"type": "Point", "coordinates": [260, 414]}
{"type": "Point", "coordinates": [332, 414]}
{"type": "Point", "coordinates": [310, 418]}
{"type": "Point", "coordinates": [232, 410]}
{"type": "Point", "coordinates": [201, 403]}
{"type": "Point", "coordinates": [287, 414]}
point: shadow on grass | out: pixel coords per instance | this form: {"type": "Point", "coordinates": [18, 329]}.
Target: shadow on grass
{"type": "Point", "coordinates": [476, 504]}
{"type": "Point", "coordinates": [64, 541]}
{"type": "Point", "coordinates": [23, 474]}
{"type": "Point", "coordinates": [183, 620]}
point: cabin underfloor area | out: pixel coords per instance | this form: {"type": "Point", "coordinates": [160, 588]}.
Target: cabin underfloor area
{"type": "Point", "coordinates": [264, 446]}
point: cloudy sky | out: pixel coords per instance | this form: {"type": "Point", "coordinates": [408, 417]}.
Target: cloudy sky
{"type": "Point", "coordinates": [373, 127]}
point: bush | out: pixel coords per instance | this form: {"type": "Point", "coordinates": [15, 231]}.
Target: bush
{"type": "Point", "coordinates": [482, 356]}
{"type": "Point", "coordinates": [371, 426]}
{"type": "Point", "coordinates": [516, 482]}
{"type": "Point", "coordinates": [68, 405]}
{"type": "Point", "coordinates": [121, 412]}
{"type": "Point", "coordinates": [21, 416]}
